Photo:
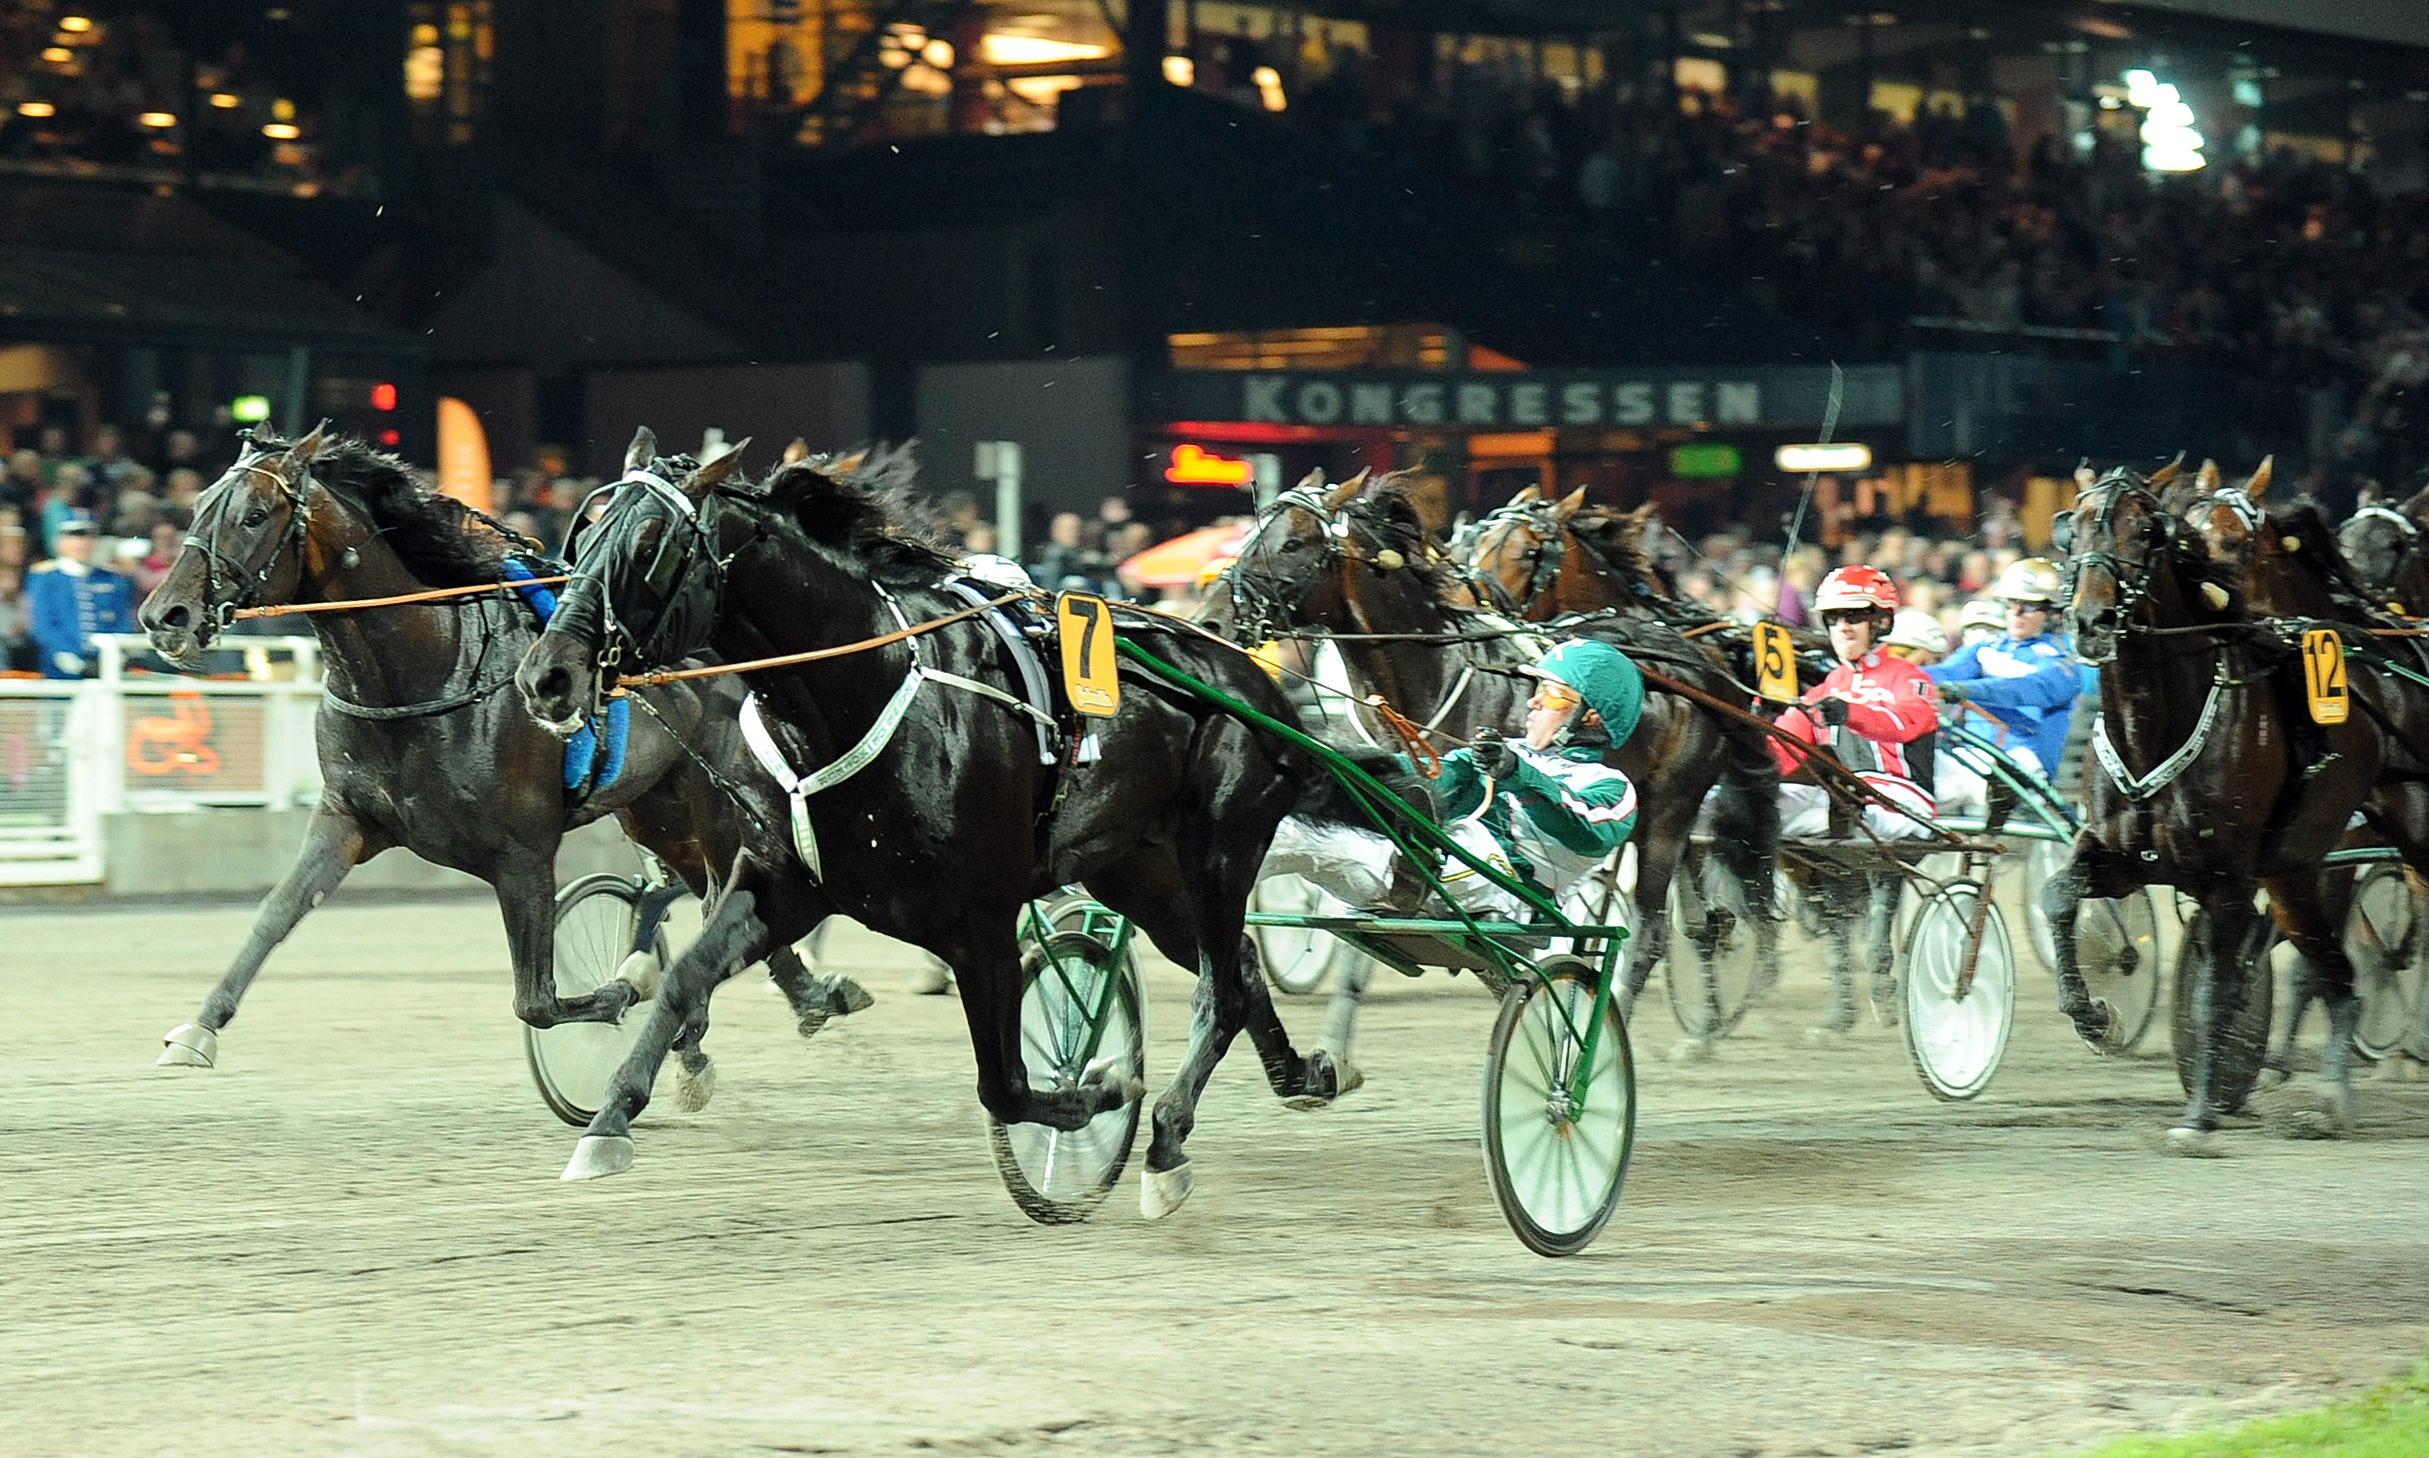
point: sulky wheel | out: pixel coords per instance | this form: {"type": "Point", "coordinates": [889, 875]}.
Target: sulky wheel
{"type": "Point", "coordinates": [1559, 1116]}
{"type": "Point", "coordinates": [598, 918]}
{"type": "Point", "coordinates": [1082, 1009]}
{"type": "Point", "coordinates": [1298, 959]}
{"type": "Point", "coordinates": [1957, 1023]}
{"type": "Point", "coordinates": [2117, 951]}
{"type": "Point", "coordinates": [2244, 1042]}
{"type": "Point", "coordinates": [1715, 957]}
{"type": "Point", "coordinates": [2383, 939]}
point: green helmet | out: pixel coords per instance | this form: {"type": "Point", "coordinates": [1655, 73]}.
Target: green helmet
{"type": "Point", "coordinates": [1603, 676]}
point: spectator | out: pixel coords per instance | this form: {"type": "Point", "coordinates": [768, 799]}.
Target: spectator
{"type": "Point", "coordinates": [153, 565]}
{"type": "Point", "coordinates": [69, 599]}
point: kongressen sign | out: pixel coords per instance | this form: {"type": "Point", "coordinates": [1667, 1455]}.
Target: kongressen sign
{"type": "Point", "coordinates": [1766, 398]}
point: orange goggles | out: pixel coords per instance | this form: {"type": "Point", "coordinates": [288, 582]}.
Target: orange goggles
{"type": "Point", "coordinates": [1552, 695]}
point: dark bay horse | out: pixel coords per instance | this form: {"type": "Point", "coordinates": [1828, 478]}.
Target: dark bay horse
{"type": "Point", "coordinates": [2286, 563]}
{"type": "Point", "coordinates": [2209, 780]}
{"type": "Point", "coordinates": [1354, 559]}
{"type": "Point", "coordinates": [418, 745]}
{"type": "Point", "coordinates": [951, 823]}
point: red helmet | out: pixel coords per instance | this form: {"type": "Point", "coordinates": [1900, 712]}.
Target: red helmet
{"type": "Point", "coordinates": [1856, 589]}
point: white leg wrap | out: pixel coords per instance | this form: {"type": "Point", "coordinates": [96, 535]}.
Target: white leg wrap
{"type": "Point", "coordinates": [1161, 1192]}
{"type": "Point", "coordinates": [189, 1045]}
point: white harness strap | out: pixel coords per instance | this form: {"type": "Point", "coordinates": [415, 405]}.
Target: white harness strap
{"type": "Point", "coordinates": [662, 487]}
{"type": "Point", "coordinates": [2175, 764]}
{"type": "Point", "coordinates": [2411, 527]}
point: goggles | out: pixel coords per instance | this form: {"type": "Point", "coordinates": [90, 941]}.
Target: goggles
{"type": "Point", "coordinates": [1550, 694]}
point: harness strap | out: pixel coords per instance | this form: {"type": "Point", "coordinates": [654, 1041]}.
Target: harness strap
{"type": "Point", "coordinates": [1033, 674]}
{"type": "Point", "coordinates": [2167, 771]}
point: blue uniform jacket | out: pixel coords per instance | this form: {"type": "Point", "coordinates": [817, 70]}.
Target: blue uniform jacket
{"type": "Point", "coordinates": [65, 608]}
{"type": "Point", "coordinates": [2030, 685]}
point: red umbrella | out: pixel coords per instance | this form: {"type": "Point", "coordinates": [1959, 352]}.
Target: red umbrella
{"type": "Point", "coordinates": [1183, 560]}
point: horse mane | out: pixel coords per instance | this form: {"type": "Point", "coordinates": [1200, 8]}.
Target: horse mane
{"type": "Point", "coordinates": [2319, 557]}
{"type": "Point", "coordinates": [864, 507]}
{"type": "Point", "coordinates": [1389, 510]}
{"type": "Point", "coordinates": [440, 540]}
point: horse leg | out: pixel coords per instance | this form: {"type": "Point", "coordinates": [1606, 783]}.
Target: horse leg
{"type": "Point", "coordinates": [2312, 911]}
{"type": "Point", "coordinates": [695, 1075]}
{"type": "Point", "coordinates": [1662, 843]}
{"type": "Point", "coordinates": [1341, 1014]}
{"type": "Point", "coordinates": [1843, 898]}
{"type": "Point", "coordinates": [525, 879]}
{"type": "Point", "coordinates": [737, 934]}
{"type": "Point", "coordinates": [2217, 990]}
{"type": "Point", "coordinates": [2090, 870]}
{"type": "Point", "coordinates": [1881, 947]}
{"type": "Point", "coordinates": [2279, 1066]}
{"type": "Point", "coordinates": [814, 996]}
{"type": "Point", "coordinates": [334, 843]}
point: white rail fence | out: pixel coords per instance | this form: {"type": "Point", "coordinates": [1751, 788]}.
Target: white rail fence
{"type": "Point", "coordinates": [72, 753]}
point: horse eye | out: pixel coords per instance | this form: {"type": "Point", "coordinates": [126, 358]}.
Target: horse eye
{"type": "Point", "coordinates": [257, 516]}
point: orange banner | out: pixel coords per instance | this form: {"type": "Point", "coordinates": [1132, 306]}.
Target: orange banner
{"type": "Point", "coordinates": [463, 455]}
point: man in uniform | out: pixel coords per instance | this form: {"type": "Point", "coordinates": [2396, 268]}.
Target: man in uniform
{"type": "Point", "coordinates": [1875, 711]}
{"type": "Point", "coordinates": [68, 600]}
{"type": "Point", "coordinates": [2025, 683]}
{"type": "Point", "coordinates": [1544, 809]}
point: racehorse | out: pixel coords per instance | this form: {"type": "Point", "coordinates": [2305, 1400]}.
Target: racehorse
{"type": "Point", "coordinates": [418, 747]}
{"type": "Point", "coordinates": [1163, 810]}
{"type": "Point", "coordinates": [1353, 560]}
{"type": "Point", "coordinates": [2207, 783]}
{"type": "Point", "coordinates": [2287, 564]}
{"type": "Point", "coordinates": [2388, 547]}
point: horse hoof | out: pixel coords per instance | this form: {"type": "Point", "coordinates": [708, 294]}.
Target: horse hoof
{"type": "Point", "coordinates": [1162, 1191]}
{"type": "Point", "coordinates": [692, 1091]}
{"type": "Point", "coordinates": [2270, 1078]}
{"type": "Point", "coordinates": [1826, 1036]}
{"type": "Point", "coordinates": [2109, 1039]}
{"type": "Point", "coordinates": [846, 997]}
{"type": "Point", "coordinates": [1884, 1000]}
{"type": "Point", "coordinates": [599, 1154]}
{"type": "Point", "coordinates": [189, 1045]}
{"type": "Point", "coordinates": [2399, 1068]}
{"type": "Point", "coordinates": [641, 969]}
{"type": "Point", "coordinates": [2192, 1143]}
{"type": "Point", "coordinates": [2293, 1113]}
{"type": "Point", "coordinates": [1113, 1070]}
{"type": "Point", "coordinates": [1328, 1078]}
{"type": "Point", "coordinates": [1693, 1050]}
{"type": "Point", "coordinates": [935, 981]}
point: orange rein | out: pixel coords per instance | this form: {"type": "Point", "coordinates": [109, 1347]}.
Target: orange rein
{"type": "Point", "coordinates": [786, 660]}
{"type": "Point", "coordinates": [280, 610]}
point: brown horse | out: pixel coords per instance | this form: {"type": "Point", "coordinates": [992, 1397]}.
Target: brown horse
{"type": "Point", "coordinates": [1353, 560]}
{"type": "Point", "coordinates": [2206, 782]}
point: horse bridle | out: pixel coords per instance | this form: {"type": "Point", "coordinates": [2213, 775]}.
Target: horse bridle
{"type": "Point", "coordinates": [685, 567]}
{"type": "Point", "coordinates": [1543, 563]}
{"type": "Point", "coordinates": [2406, 528]}
{"type": "Point", "coordinates": [1270, 599]}
{"type": "Point", "coordinates": [251, 581]}
{"type": "Point", "coordinates": [2132, 585]}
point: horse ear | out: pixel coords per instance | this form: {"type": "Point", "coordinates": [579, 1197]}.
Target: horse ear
{"type": "Point", "coordinates": [835, 468]}
{"type": "Point", "coordinates": [2207, 479]}
{"type": "Point", "coordinates": [1567, 506]}
{"type": "Point", "coordinates": [2260, 476]}
{"type": "Point", "coordinates": [796, 453]}
{"type": "Point", "coordinates": [1345, 493]}
{"type": "Point", "coordinates": [1527, 497]}
{"type": "Point", "coordinates": [2168, 472]}
{"type": "Point", "coordinates": [2085, 477]}
{"type": "Point", "coordinates": [2418, 507]}
{"type": "Point", "coordinates": [1312, 481]}
{"type": "Point", "coordinates": [642, 451]}
{"type": "Point", "coordinates": [307, 450]}
{"type": "Point", "coordinates": [712, 475]}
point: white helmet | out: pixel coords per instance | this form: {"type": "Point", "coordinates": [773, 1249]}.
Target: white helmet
{"type": "Point", "coordinates": [1983, 612]}
{"type": "Point", "coordinates": [1917, 629]}
{"type": "Point", "coordinates": [2033, 579]}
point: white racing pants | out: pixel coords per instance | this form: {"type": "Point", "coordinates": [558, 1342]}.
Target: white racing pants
{"type": "Point", "coordinates": [1355, 864]}
{"type": "Point", "coordinates": [1805, 811]}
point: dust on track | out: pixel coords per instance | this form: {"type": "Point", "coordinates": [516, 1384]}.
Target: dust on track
{"type": "Point", "coordinates": [350, 1238]}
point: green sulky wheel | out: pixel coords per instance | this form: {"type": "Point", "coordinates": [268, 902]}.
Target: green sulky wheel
{"type": "Point", "coordinates": [1082, 1006]}
{"type": "Point", "coordinates": [1557, 1159]}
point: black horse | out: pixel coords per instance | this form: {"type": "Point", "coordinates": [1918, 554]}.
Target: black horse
{"type": "Point", "coordinates": [1354, 560]}
{"type": "Point", "coordinates": [2388, 547]}
{"type": "Point", "coordinates": [2210, 780]}
{"type": "Point", "coordinates": [418, 747]}
{"type": "Point", "coordinates": [954, 818]}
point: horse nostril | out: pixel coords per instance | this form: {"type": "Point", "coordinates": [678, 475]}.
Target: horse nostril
{"type": "Point", "coordinates": [555, 683]}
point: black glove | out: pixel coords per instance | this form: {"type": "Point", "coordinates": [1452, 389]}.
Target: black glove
{"type": "Point", "coordinates": [1493, 753]}
{"type": "Point", "coordinates": [1832, 712]}
{"type": "Point", "coordinates": [1952, 693]}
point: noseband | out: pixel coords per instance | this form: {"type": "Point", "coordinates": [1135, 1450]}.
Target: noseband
{"type": "Point", "coordinates": [1270, 600]}
{"type": "Point", "coordinates": [2132, 577]}
{"type": "Point", "coordinates": [685, 571]}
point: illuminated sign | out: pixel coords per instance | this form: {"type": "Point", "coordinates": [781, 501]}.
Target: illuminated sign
{"type": "Point", "coordinates": [383, 396]}
{"type": "Point", "coordinates": [1767, 397]}
{"type": "Point", "coordinates": [249, 409]}
{"type": "Point", "coordinates": [1196, 466]}
{"type": "Point", "coordinates": [1705, 462]}
{"type": "Point", "coordinates": [1845, 456]}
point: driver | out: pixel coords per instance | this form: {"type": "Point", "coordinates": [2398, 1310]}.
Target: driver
{"type": "Point", "coordinates": [1544, 809]}
{"type": "Point", "coordinates": [1874, 710]}
{"type": "Point", "coordinates": [2025, 682]}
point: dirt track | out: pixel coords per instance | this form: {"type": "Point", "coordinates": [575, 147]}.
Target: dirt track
{"type": "Point", "coordinates": [350, 1238]}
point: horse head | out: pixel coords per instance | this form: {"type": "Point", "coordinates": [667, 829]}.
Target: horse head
{"type": "Point", "coordinates": [2387, 549]}
{"type": "Point", "coordinates": [646, 589]}
{"type": "Point", "coordinates": [2121, 542]}
{"type": "Point", "coordinates": [2235, 532]}
{"type": "Point", "coordinates": [1520, 548]}
{"type": "Point", "coordinates": [248, 546]}
{"type": "Point", "coordinates": [1283, 577]}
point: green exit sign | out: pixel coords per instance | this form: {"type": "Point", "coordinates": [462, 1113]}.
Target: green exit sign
{"type": "Point", "coordinates": [1705, 462]}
